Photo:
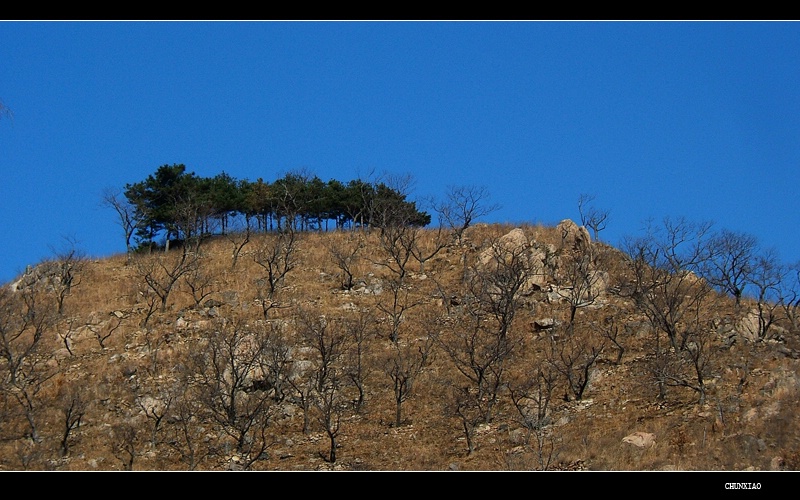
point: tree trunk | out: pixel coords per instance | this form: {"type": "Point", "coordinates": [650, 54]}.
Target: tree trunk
{"type": "Point", "coordinates": [398, 414]}
{"type": "Point", "coordinates": [333, 449]}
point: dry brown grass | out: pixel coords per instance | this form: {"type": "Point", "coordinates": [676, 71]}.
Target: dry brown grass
{"type": "Point", "coordinates": [747, 419]}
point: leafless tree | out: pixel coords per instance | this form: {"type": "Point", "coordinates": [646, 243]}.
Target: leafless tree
{"type": "Point", "coordinates": [461, 402]}
{"type": "Point", "coordinates": [689, 367]}
{"type": "Point", "coordinates": [302, 383]}
{"type": "Point", "coordinates": [592, 217]}
{"type": "Point", "coordinates": [277, 254]}
{"type": "Point", "coordinates": [200, 282]}
{"type": "Point", "coordinates": [102, 334]}
{"type": "Point", "coordinates": [400, 301]}
{"type": "Point", "coordinates": [67, 265]}
{"type": "Point", "coordinates": [499, 285]}
{"type": "Point", "coordinates": [276, 365]}
{"type": "Point", "coordinates": [463, 205]}
{"type": "Point", "coordinates": [731, 261]}
{"type": "Point", "coordinates": [161, 273]}
{"type": "Point", "coordinates": [73, 402]}
{"type": "Point", "coordinates": [66, 333]}
{"type": "Point", "coordinates": [427, 244]}
{"type": "Point", "coordinates": [573, 355]}
{"type": "Point", "coordinates": [397, 243]}
{"type": "Point", "coordinates": [669, 291]}
{"type": "Point", "coordinates": [766, 276]}
{"type": "Point", "coordinates": [613, 328]}
{"type": "Point", "coordinates": [223, 368]}
{"type": "Point", "coordinates": [239, 237]}
{"type": "Point", "coordinates": [330, 340]}
{"type": "Point", "coordinates": [125, 443]}
{"type": "Point", "coordinates": [360, 332]}
{"type": "Point", "coordinates": [325, 337]}
{"type": "Point", "coordinates": [481, 354]}
{"type": "Point", "coordinates": [156, 405]}
{"type": "Point", "coordinates": [126, 213]}
{"type": "Point", "coordinates": [330, 409]}
{"type": "Point", "coordinates": [700, 356]}
{"type": "Point", "coordinates": [531, 393]}
{"type": "Point", "coordinates": [665, 264]}
{"type": "Point", "coordinates": [184, 432]}
{"type": "Point", "coordinates": [577, 280]}
{"type": "Point", "coordinates": [789, 294]}
{"type": "Point", "coordinates": [345, 254]}
{"type": "Point", "coordinates": [26, 322]}
{"type": "Point", "coordinates": [403, 365]}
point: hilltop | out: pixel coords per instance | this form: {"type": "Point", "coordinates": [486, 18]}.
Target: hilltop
{"type": "Point", "coordinates": [400, 348]}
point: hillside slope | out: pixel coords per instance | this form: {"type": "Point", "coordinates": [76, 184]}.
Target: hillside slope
{"type": "Point", "coordinates": [527, 348]}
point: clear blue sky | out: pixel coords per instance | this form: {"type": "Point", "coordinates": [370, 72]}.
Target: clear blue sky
{"type": "Point", "coordinates": [694, 119]}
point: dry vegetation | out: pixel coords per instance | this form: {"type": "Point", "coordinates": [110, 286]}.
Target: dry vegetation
{"type": "Point", "coordinates": [350, 350]}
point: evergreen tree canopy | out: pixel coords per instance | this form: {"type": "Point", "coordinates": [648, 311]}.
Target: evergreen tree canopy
{"type": "Point", "coordinates": [175, 203]}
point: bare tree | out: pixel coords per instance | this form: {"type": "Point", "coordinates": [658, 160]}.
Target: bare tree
{"type": "Point", "coordinates": [302, 383]}
{"type": "Point", "coordinates": [426, 245]}
{"type": "Point", "coordinates": [789, 294]}
{"type": "Point", "coordinates": [329, 339]}
{"type": "Point", "coordinates": [238, 237]}
{"type": "Point", "coordinates": [325, 337]}
{"type": "Point", "coordinates": [573, 355]}
{"type": "Point", "coordinates": [200, 282]}
{"type": "Point", "coordinates": [69, 262]}
{"type": "Point", "coordinates": [102, 334]}
{"type": "Point", "coordinates": [73, 402]}
{"type": "Point", "coordinates": [531, 393]}
{"type": "Point", "coordinates": [592, 217]}
{"type": "Point", "coordinates": [700, 355]}
{"type": "Point", "coordinates": [125, 443]}
{"type": "Point", "coordinates": [613, 327]}
{"type": "Point", "coordinates": [161, 273]}
{"type": "Point", "coordinates": [184, 432]}
{"type": "Point", "coordinates": [463, 205]}
{"type": "Point", "coordinates": [403, 365]}
{"type": "Point", "coordinates": [397, 243]}
{"type": "Point", "coordinates": [126, 213]}
{"type": "Point", "coordinates": [156, 405]}
{"type": "Point", "coordinates": [360, 332]}
{"type": "Point", "coordinates": [462, 403]}
{"type": "Point", "coordinates": [277, 363]}
{"type": "Point", "coordinates": [499, 284]}
{"type": "Point", "coordinates": [277, 254]}
{"type": "Point", "coordinates": [731, 261]}
{"type": "Point", "coordinates": [399, 303]}
{"type": "Point", "coordinates": [666, 266]}
{"type": "Point", "coordinates": [26, 323]}
{"type": "Point", "coordinates": [482, 355]}
{"type": "Point", "coordinates": [224, 368]}
{"type": "Point", "coordinates": [669, 291]}
{"type": "Point", "coordinates": [766, 276]}
{"type": "Point", "coordinates": [577, 280]}
{"type": "Point", "coordinates": [345, 254]}
{"type": "Point", "coordinates": [330, 408]}
{"type": "Point", "coordinates": [67, 332]}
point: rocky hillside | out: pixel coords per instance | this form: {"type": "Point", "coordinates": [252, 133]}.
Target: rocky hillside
{"type": "Point", "coordinates": [502, 348]}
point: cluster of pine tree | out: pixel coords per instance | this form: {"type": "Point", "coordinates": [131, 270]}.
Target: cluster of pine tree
{"type": "Point", "coordinates": [176, 204]}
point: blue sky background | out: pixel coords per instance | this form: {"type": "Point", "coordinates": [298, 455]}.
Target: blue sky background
{"type": "Point", "coordinates": [694, 119]}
